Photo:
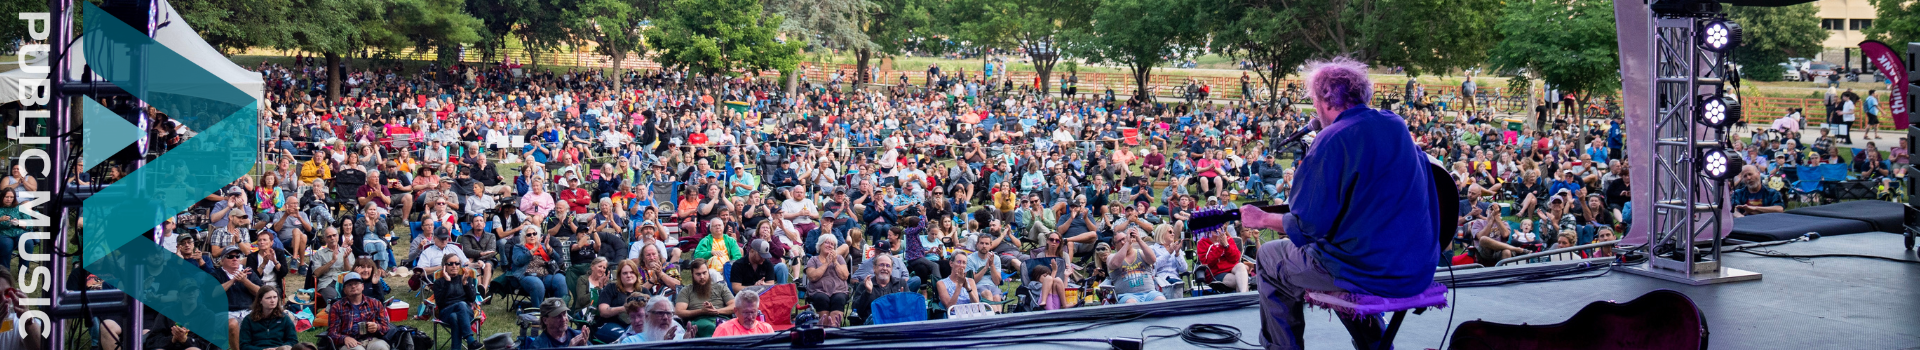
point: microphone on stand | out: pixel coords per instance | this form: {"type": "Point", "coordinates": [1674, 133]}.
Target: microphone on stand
{"type": "Point", "coordinates": [1312, 125]}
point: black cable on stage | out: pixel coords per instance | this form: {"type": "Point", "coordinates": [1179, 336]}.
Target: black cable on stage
{"type": "Point", "coordinates": [1210, 335]}
{"type": "Point", "coordinates": [1775, 254]}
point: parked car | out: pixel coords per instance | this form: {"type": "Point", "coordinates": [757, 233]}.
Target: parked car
{"type": "Point", "coordinates": [1789, 72]}
{"type": "Point", "coordinates": [1818, 71]}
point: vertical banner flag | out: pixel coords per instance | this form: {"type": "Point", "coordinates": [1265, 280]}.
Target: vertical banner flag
{"type": "Point", "coordinates": [1883, 59]}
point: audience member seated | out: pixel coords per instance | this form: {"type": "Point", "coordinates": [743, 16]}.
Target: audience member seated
{"type": "Point", "coordinates": [1131, 271]}
{"type": "Point", "coordinates": [454, 294]}
{"type": "Point", "coordinates": [827, 289]}
{"type": "Point", "coordinates": [268, 326]}
{"type": "Point", "coordinates": [705, 301]}
{"type": "Point", "coordinates": [357, 322]}
{"type": "Point", "coordinates": [957, 288]}
{"type": "Point", "coordinates": [534, 265]}
{"type": "Point", "coordinates": [1053, 290]}
{"type": "Point", "coordinates": [1221, 255]}
{"type": "Point", "coordinates": [885, 280]}
{"type": "Point", "coordinates": [758, 272]}
{"type": "Point", "coordinates": [553, 328]}
{"type": "Point", "coordinates": [656, 321]}
{"type": "Point", "coordinates": [610, 305]}
{"type": "Point", "coordinates": [746, 318]}
{"type": "Point", "coordinates": [241, 285]}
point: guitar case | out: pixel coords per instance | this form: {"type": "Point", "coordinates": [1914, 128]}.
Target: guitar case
{"type": "Point", "coordinates": [1659, 320]}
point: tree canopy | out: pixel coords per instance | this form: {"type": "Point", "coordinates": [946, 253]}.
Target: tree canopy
{"type": "Point", "coordinates": [1570, 43]}
{"type": "Point", "coordinates": [721, 36]}
{"type": "Point", "coordinates": [1037, 28]}
{"type": "Point", "coordinates": [1773, 34]}
{"type": "Point", "coordinates": [1898, 22]}
{"type": "Point", "coordinates": [1139, 35]}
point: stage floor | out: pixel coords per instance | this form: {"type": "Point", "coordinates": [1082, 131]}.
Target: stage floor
{"type": "Point", "coordinates": [1825, 303]}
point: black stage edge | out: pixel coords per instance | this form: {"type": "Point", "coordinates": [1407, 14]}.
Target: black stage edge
{"type": "Point", "coordinates": [1823, 303]}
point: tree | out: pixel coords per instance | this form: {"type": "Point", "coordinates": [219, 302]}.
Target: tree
{"type": "Point", "coordinates": [613, 26]}
{"type": "Point", "coordinates": [1037, 27]}
{"type": "Point", "coordinates": [720, 36]}
{"type": "Point", "coordinates": [15, 29]}
{"type": "Point", "coordinates": [1897, 22]}
{"type": "Point", "coordinates": [238, 24]}
{"type": "Point", "coordinates": [890, 26]}
{"type": "Point", "coordinates": [1571, 43]}
{"type": "Point", "coordinates": [1139, 34]}
{"type": "Point", "coordinates": [338, 27]}
{"type": "Point", "coordinates": [540, 25]}
{"type": "Point", "coordinates": [420, 25]}
{"type": "Point", "coordinates": [1419, 35]}
{"type": "Point", "coordinates": [1261, 35]}
{"type": "Point", "coordinates": [832, 25]}
{"type": "Point", "coordinates": [1773, 34]}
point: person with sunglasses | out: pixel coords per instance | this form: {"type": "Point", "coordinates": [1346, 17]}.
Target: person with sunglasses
{"type": "Point", "coordinates": [241, 284]}
{"type": "Point", "coordinates": [454, 293]}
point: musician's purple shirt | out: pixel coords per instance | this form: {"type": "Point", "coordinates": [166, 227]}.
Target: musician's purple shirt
{"type": "Point", "coordinates": [1385, 243]}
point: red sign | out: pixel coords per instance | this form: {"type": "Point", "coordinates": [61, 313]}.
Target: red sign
{"type": "Point", "coordinates": [1887, 62]}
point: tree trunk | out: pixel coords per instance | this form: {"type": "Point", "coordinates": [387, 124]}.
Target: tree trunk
{"type": "Point", "coordinates": [333, 77]}
{"type": "Point", "coordinates": [1045, 70]}
{"type": "Point", "coordinates": [861, 59]}
{"type": "Point", "coordinates": [1142, 73]}
{"type": "Point", "coordinates": [617, 70]}
{"type": "Point", "coordinates": [793, 80]}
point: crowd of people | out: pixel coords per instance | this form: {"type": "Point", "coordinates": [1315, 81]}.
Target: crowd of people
{"type": "Point", "coordinates": [664, 203]}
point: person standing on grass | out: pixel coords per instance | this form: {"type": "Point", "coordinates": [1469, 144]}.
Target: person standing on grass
{"type": "Point", "coordinates": [1872, 108]}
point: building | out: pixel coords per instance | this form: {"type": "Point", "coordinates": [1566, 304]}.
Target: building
{"type": "Point", "coordinates": [1844, 19]}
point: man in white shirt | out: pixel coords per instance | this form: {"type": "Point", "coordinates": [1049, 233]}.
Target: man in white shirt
{"type": "Point", "coordinates": [799, 210]}
{"type": "Point", "coordinates": [432, 256]}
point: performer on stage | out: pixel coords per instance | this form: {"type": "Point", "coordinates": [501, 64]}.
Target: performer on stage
{"type": "Point", "coordinates": [1363, 216]}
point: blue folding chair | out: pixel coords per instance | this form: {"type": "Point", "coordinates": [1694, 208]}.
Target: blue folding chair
{"type": "Point", "coordinates": [1807, 182]}
{"type": "Point", "coordinates": [899, 307]}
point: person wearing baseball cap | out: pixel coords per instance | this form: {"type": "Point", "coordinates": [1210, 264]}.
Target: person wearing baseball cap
{"type": "Point", "coordinates": [554, 332]}
{"type": "Point", "coordinates": [759, 271]}
{"type": "Point", "coordinates": [357, 321]}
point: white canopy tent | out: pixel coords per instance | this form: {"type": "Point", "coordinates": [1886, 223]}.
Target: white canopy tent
{"type": "Point", "coordinates": [175, 34]}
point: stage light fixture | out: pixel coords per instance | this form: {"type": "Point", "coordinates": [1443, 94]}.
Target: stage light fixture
{"type": "Point", "coordinates": [1714, 162]}
{"type": "Point", "coordinates": [1719, 35]}
{"type": "Point", "coordinates": [1716, 111]}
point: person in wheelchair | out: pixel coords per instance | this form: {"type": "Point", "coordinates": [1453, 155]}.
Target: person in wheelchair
{"type": "Point", "coordinates": [653, 320]}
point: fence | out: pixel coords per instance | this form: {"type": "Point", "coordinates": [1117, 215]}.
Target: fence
{"type": "Point", "coordinates": [1159, 85]}
{"type": "Point", "coordinates": [1764, 110]}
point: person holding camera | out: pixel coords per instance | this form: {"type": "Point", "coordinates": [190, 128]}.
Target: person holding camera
{"type": "Point", "coordinates": [358, 322]}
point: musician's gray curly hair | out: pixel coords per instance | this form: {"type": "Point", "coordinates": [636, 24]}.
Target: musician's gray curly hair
{"type": "Point", "coordinates": [1340, 81]}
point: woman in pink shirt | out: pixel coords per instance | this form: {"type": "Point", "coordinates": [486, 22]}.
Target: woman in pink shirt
{"type": "Point", "coordinates": [1208, 167]}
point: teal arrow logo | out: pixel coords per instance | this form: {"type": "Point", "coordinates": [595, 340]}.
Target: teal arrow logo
{"type": "Point", "coordinates": [114, 219]}
{"type": "Point", "coordinates": [104, 134]}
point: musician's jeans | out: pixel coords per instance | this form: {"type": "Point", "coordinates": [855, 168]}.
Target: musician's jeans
{"type": "Point", "coordinates": [1287, 273]}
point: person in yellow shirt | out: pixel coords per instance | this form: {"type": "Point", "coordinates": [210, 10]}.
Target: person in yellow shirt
{"type": "Point", "coordinates": [315, 168]}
